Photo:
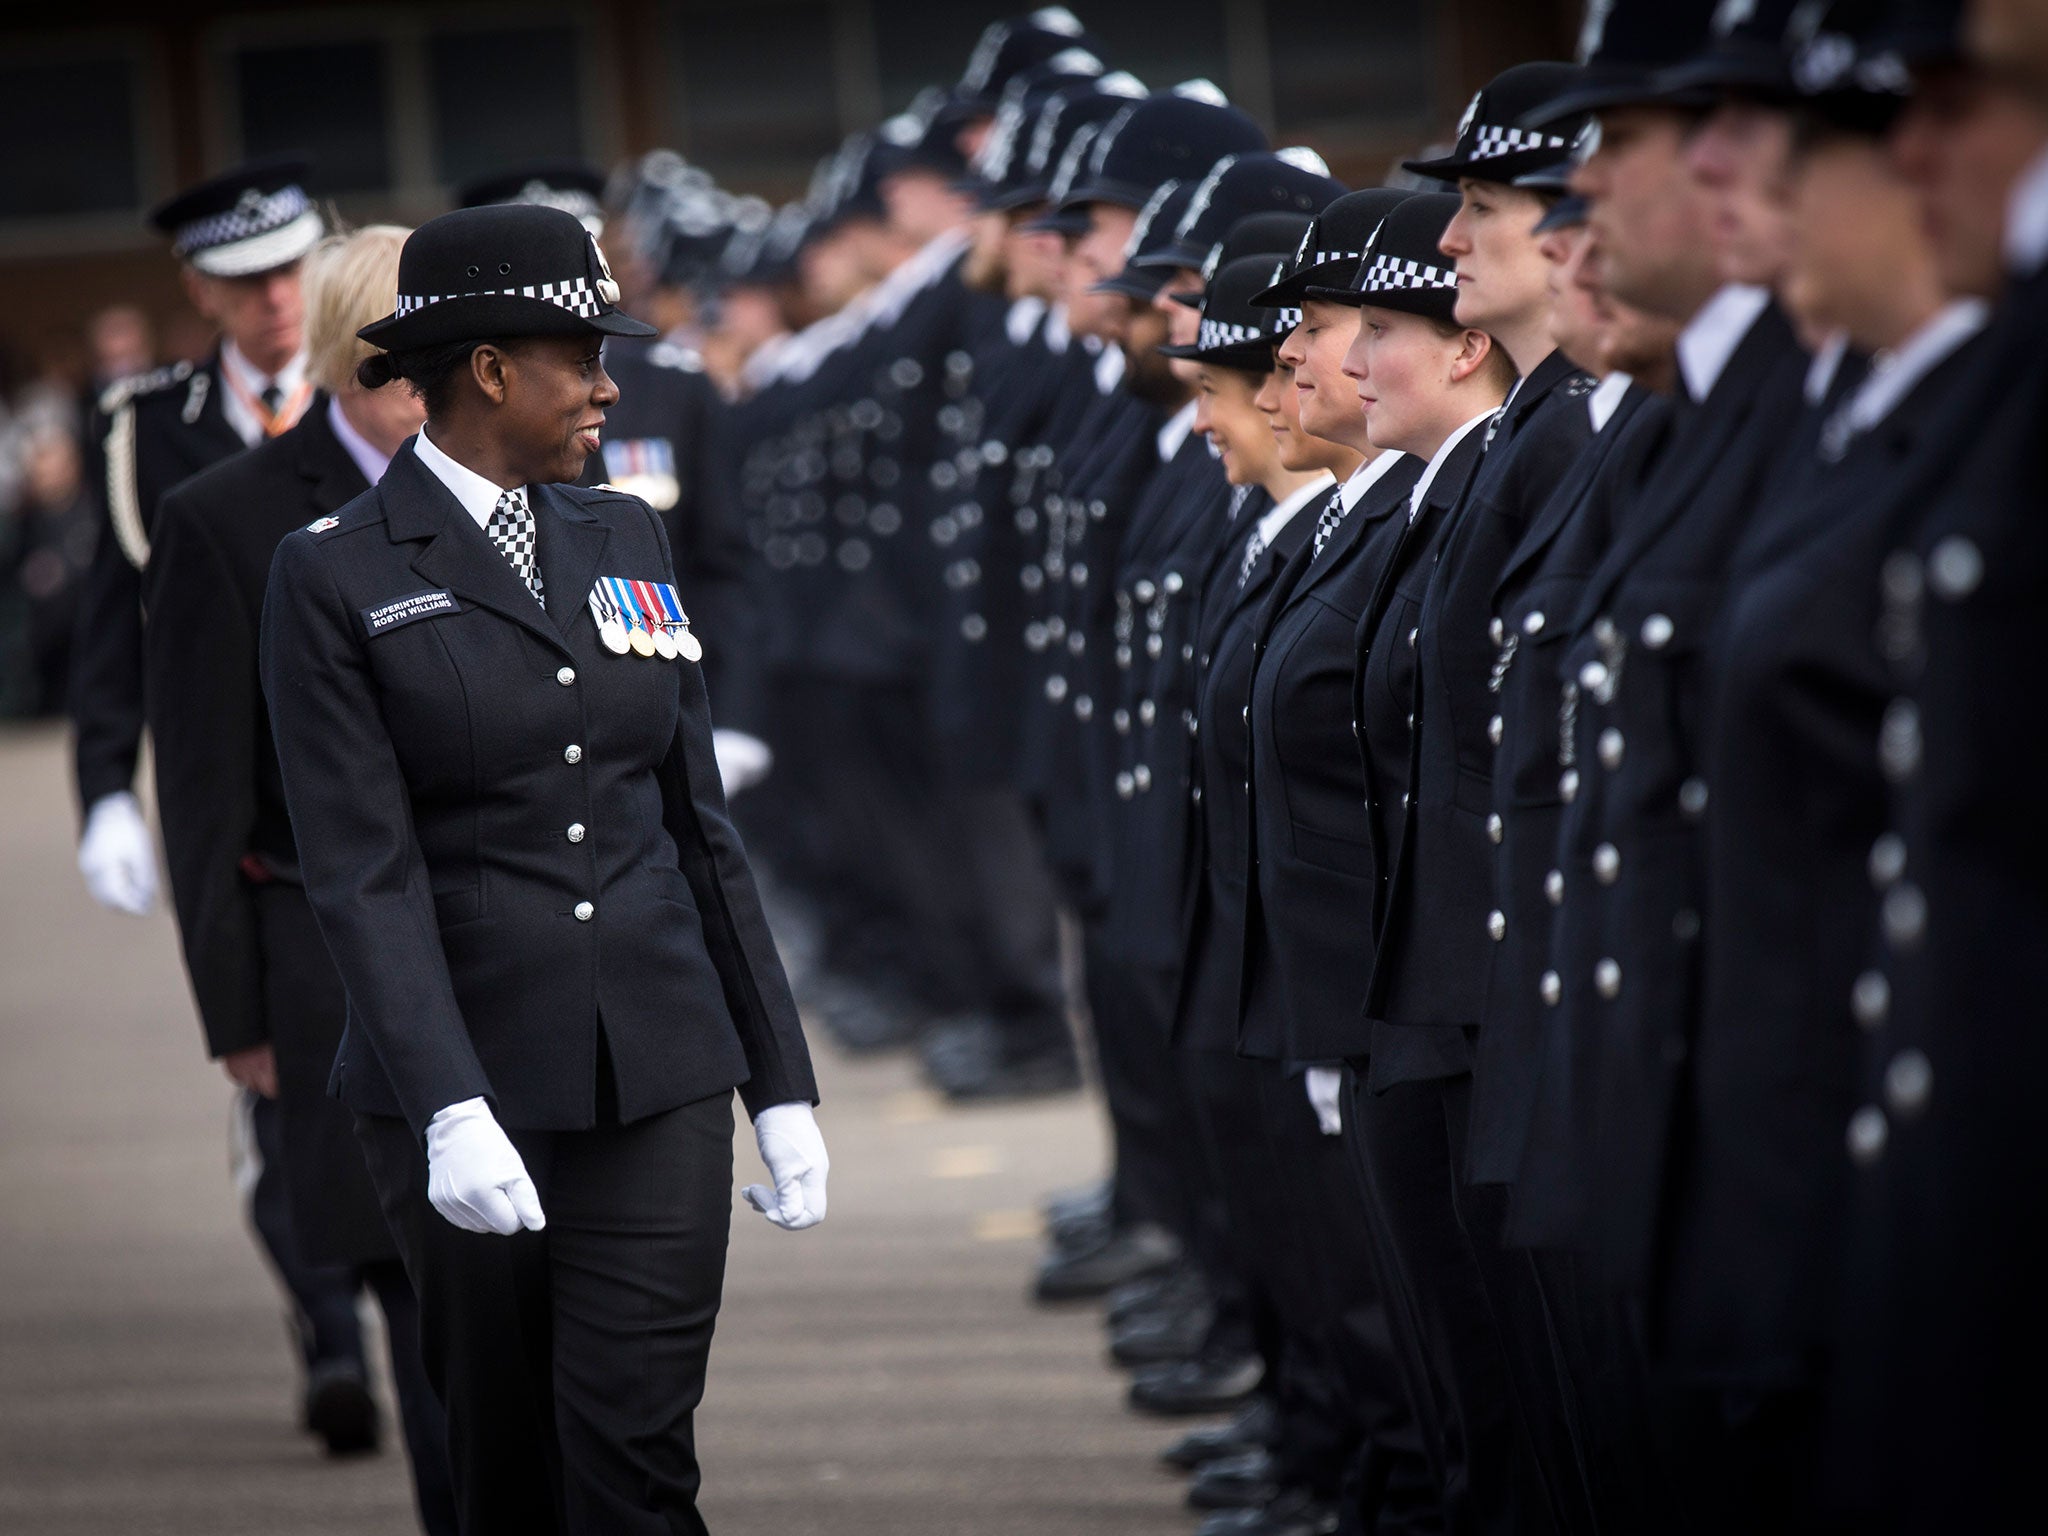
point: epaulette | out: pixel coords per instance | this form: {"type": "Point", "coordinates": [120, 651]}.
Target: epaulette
{"type": "Point", "coordinates": [670, 354]}
{"type": "Point", "coordinates": [602, 485]}
{"type": "Point", "coordinates": [155, 381]}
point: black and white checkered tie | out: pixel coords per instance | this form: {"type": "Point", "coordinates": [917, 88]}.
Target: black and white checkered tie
{"type": "Point", "coordinates": [1331, 520]}
{"type": "Point", "coordinates": [1252, 551]}
{"type": "Point", "coordinates": [511, 529]}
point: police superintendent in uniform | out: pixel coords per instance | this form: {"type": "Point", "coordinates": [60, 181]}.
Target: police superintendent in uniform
{"type": "Point", "coordinates": [515, 841]}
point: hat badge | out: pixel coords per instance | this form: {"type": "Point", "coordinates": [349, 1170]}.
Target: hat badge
{"type": "Point", "coordinates": [607, 287]}
{"type": "Point", "coordinates": [1471, 114]}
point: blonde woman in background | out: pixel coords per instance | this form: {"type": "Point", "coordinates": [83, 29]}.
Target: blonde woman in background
{"type": "Point", "coordinates": [268, 996]}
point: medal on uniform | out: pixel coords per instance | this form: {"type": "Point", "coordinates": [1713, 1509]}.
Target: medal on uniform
{"type": "Point", "coordinates": [642, 641]}
{"type": "Point", "coordinates": [664, 645]}
{"type": "Point", "coordinates": [611, 622]}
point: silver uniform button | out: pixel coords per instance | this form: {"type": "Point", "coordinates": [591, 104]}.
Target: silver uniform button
{"type": "Point", "coordinates": [1084, 708]}
{"type": "Point", "coordinates": [1497, 924]}
{"type": "Point", "coordinates": [1902, 578]}
{"type": "Point", "coordinates": [1604, 630]}
{"type": "Point", "coordinates": [1533, 622]}
{"type": "Point", "coordinates": [1658, 630]}
{"type": "Point", "coordinates": [1568, 785]}
{"type": "Point", "coordinates": [1174, 581]}
{"type": "Point", "coordinates": [1142, 777]}
{"type": "Point", "coordinates": [1497, 631]}
{"type": "Point", "coordinates": [1955, 568]}
{"type": "Point", "coordinates": [1870, 999]}
{"type": "Point", "coordinates": [1593, 676]}
{"type": "Point", "coordinates": [1692, 798]}
{"type": "Point", "coordinates": [1607, 863]}
{"type": "Point", "coordinates": [1868, 1132]}
{"type": "Point", "coordinates": [572, 754]}
{"type": "Point", "coordinates": [1549, 988]}
{"type": "Point", "coordinates": [1898, 740]}
{"type": "Point", "coordinates": [1056, 688]}
{"type": "Point", "coordinates": [575, 831]}
{"type": "Point", "coordinates": [585, 911]}
{"type": "Point", "coordinates": [1887, 860]}
{"type": "Point", "coordinates": [1610, 748]}
{"type": "Point", "coordinates": [1145, 591]}
{"type": "Point", "coordinates": [1553, 887]}
{"type": "Point", "coordinates": [1905, 915]}
{"type": "Point", "coordinates": [1147, 712]}
{"type": "Point", "coordinates": [1122, 721]}
{"type": "Point", "coordinates": [1494, 729]}
{"type": "Point", "coordinates": [1607, 979]}
{"type": "Point", "coordinates": [1494, 828]}
{"type": "Point", "coordinates": [1908, 1083]}
{"type": "Point", "coordinates": [1126, 786]}
{"type": "Point", "coordinates": [1685, 925]}
{"type": "Point", "coordinates": [566, 676]}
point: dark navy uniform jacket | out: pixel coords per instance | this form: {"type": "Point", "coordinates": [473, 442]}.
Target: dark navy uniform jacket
{"type": "Point", "coordinates": [512, 837]}
{"type": "Point", "coordinates": [151, 433]}
{"type": "Point", "coordinates": [1306, 864]}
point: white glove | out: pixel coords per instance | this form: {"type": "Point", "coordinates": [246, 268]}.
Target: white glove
{"type": "Point", "coordinates": [743, 760]}
{"type": "Point", "coordinates": [794, 1149]}
{"type": "Point", "coordinates": [475, 1176]}
{"type": "Point", "coordinates": [1325, 1097]}
{"type": "Point", "coordinates": [117, 856]}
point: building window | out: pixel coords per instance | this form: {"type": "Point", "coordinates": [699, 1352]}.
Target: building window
{"type": "Point", "coordinates": [329, 101]}
{"type": "Point", "coordinates": [69, 125]}
{"type": "Point", "coordinates": [502, 96]}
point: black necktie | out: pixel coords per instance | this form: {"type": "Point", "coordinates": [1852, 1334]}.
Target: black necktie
{"type": "Point", "coordinates": [272, 397]}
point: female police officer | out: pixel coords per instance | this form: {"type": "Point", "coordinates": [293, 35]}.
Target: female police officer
{"type": "Point", "coordinates": [497, 751]}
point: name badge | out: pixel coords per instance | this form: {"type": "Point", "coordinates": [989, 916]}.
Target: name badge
{"type": "Point", "coordinates": [406, 610]}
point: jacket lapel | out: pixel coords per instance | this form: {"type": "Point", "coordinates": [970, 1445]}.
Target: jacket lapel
{"type": "Point", "coordinates": [333, 478]}
{"type": "Point", "coordinates": [455, 554]}
{"type": "Point", "coordinates": [572, 540]}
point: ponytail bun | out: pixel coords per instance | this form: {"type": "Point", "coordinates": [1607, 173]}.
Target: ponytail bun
{"type": "Point", "coordinates": [376, 370]}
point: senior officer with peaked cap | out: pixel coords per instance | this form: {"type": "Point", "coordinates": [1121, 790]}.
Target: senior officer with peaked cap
{"type": "Point", "coordinates": [497, 752]}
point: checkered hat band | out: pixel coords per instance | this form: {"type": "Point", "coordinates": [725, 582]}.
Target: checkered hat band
{"type": "Point", "coordinates": [1224, 333]}
{"type": "Point", "coordinates": [1285, 320]}
{"type": "Point", "coordinates": [1323, 256]}
{"type": "Point", "coordinates": [1492, 143]}
{"type": "Point", "coordinates": [578, 297]}
{"type": "Point", "coordinates": [1390, 272]}
{"type": "Point", "coordinates": [256, 214]}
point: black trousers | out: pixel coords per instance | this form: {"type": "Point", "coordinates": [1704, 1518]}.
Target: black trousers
{"type": "Point", "coordinates": [1130, 1010]}
{"type": "Point", "coordinates": [572, 1359]}
{"type": "Point", "coordinates": [1407, 1147]}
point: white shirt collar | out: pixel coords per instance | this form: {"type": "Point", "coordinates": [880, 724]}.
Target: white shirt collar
{"type": "Point", "coordinates": [1283, 512]}
{"type": "Point", "coordinates": [245, 375]}
{"type": "Point", "coordinates": [479, 497]}
{"type": "Point", "coordinates": [1606, 398]}
{"type": "Point", "coordinates": [1057, 335]}
{"type": "Point", "coordinates": [1363, 478]}
{"type": "Point", "coordinates": [1176, 431]}
{"type": "Point", "coordinates": [1109, 369]}
{"type": "Point", "coordinates": [1023, 319]}
{"type": "Point", "coordinates": [1827, 362]}
{"type": "Point", "coordinates": [1436, 463]}
{"type": "Point", "coordinates": [368, 458]}
{"type": "Point", "coordinates": [1893, 373]}
{"type": "Point", "coordinates": [1711, 336]}
{"type": "Point", "coordinates": [2026, 220]}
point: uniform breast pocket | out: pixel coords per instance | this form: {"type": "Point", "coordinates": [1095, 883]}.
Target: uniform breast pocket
{"type": "Point", "coordinates": [1669, 627]}
{"type": "Point", "coordinates": [426, 668]}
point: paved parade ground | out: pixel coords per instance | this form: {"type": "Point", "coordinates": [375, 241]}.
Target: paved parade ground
{"type": "Point", "coordinates": [883, 1374]}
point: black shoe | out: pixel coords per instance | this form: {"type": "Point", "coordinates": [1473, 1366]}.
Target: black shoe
{"type": "Point", "coordinates": [861, 1019]}
{"type": "Point", "coordinates": [1181, 1286]}
{"type": "Point", "coordinates": [1254, 1426]}
{"type": "Point", "coordinates": [1243, 1481]}
{"type": "Point", "coordinates": [1088, 1202]}
{"type": "Point", "coordinates": [975, 1059]}
{"type": "Point", "coordinates": [1208, 1384]}
{"type": "Point", "coordinates": [339, 1409]}
{"type": "Point", "coordinates": [1169, 1333]}
{"type": "Point", "coordinates": [1123, 1256]}
{"type": "Point", "coordinates": [1080, 1234]}
{"type": "Point", "coordinates": [1293, 1513]}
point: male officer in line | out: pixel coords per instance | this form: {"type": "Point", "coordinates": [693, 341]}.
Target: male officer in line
{"type": "Point", "coordinates": [239, 238]}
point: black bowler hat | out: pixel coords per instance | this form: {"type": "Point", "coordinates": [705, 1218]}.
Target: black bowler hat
{"type": "Point", "coordinates": [1047, 146]}
{"type": "Point", "coordinates": [1235, 333]}
{"type": "Point", "coordinates": [1174, 135]}
{"type": "Point", "coordinates": [1492, 143]}
{"type": "Point", "coordinates": [251, 219]}
{"type": "Point", "coordinates": [1286, 181]}
{"type": "Point", "coordinates": [574, 186]}
{"type": "Point", "coordinates": [512, 269]}
{"type": "Point", "coordinates": [1008, 48]}
{"type": "Point", "coordinates": [1326, 261]}
{"type": "Point", "coordinates": [1402, 267]}
{"type": "Point", "coordinates": [1152, 229]}
{"type": "Point", "coordinates": [916, 140]}
{"type": "Point", "coordinates": [1257, 234]}
{"type": "Point", "coordinates": [1744, 54]}
{"type": "Point", "coordinates": [1060, 216]}
{"type": "Point", "coordinates": [764, 255]}
{"type": "Point", "coordinates": [1623, 48]}
{"type": "Point", "coordinates": [1006, 145]}
{"type": "Point", "coordinates": [1850, 63]}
